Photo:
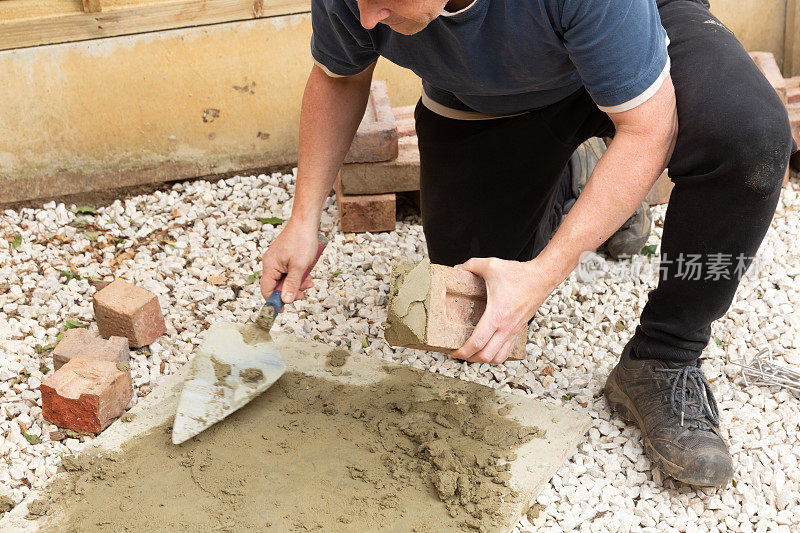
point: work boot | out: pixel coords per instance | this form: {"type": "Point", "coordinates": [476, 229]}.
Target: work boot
{"type": "Point", "coordinates": [631, 237]}
{"type": "Point", "coordinates": [583, 161]}
{"type": "Point", "coordinates": [674, 408]}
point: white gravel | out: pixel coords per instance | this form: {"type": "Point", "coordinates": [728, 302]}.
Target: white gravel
{"type": "Point", "coordinates": [207, 247]}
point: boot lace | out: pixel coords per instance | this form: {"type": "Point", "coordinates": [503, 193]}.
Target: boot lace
{"type": "Point", "coordinates": [691, 389]}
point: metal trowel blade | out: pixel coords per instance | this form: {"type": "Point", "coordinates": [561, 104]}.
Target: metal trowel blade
{"type": "Point", "coordinates": [226, 374]}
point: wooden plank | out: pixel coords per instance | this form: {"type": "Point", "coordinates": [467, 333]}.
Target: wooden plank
{"type": "Point", "coordinates": [35, 22]}
{"type": "Point", "coordinates": [92, 6]}
{"type": "Point", "coordinates": [11, 10]}
{"type": "Point", "coordinates": [791, 36]}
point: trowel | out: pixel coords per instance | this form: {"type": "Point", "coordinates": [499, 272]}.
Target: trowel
{"type": "Point", "coordinates": [234, 364]}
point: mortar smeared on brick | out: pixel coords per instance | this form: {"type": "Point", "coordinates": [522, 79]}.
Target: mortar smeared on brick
{"type": "Point", "coordinates": [436, 307]}
{"type": "Point", "coordinates": [407, 316]}
{"type": "Point", "coordinates": [415, 451]}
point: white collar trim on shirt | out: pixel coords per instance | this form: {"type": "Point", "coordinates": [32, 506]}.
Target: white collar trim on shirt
{"type": "Point", "coordinates": [446, 13]}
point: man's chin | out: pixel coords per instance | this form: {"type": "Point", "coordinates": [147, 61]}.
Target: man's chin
{"type": "Point", "coordinates": [405, 28]}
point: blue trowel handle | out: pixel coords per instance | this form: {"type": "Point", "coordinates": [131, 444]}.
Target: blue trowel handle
{"type": "Point", "coordinates": [274, 299]}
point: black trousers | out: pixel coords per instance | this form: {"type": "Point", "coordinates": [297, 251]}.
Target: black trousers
{"type": "Point", "coordinates": [487, 186]}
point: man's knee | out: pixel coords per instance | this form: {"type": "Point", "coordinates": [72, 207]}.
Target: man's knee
{"type": "Point", "coordinates": [762, 151]}
{"type": "Point", "coordinates": [748, 152]}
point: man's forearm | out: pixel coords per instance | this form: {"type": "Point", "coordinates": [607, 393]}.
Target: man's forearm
{"type": "Point", "coordinates": [331, 111]}
{"type": "Point", "coordinates": [619, 183]}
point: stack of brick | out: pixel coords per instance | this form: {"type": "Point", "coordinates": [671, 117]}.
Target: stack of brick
{"type": "Point", "coordinates": [92, 385]}
{"type": "Point", "coordinates": [399, 174]}
{"type": "Point", "coordinates": [366, 190]}
{"type": "Point", "coordinates": [80, 343]}
{"type": "Point", "coordinates": [788, 90]}
{"type": "Point", "coordinates": [383, 161]}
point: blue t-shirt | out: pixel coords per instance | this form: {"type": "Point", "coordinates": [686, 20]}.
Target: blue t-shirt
{"type": "Point", "coordinates": [502, 57]}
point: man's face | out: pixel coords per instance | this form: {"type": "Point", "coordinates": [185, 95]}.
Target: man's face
{"type": "Point", "coordinates": [403, 16]}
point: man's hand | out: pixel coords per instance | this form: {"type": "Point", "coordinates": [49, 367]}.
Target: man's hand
{"type": "Point", "coordinates": [292, 253]}
{"type": "Point", "coordinates": [514, 291]}
{"type": "Point", "coordinates": [332, 109]}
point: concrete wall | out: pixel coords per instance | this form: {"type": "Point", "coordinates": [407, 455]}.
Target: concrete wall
{"type": "Point", "coordinates": [759, 24]}
{"type": "Point", "coordinates": [157, 106]}
{"type": "Point", "coordinates": [190, 102]}
{"type": "Point", "coordinates": [791, 39]}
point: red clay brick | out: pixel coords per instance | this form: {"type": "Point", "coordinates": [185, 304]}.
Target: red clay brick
{"type": "Point", "coordinates": [366, 212]}
{"type": "Point", "coordinates": [79, 341]}
{"type": "Point", "coordinates": [660, 191]}
{"type": "Point", "coordinates": [125, 310]}
{"type": "Point", "coordinates": [457, 302]}
{"type": "Point", "coordinates": [376, 138]}
{"type": "Point", "coordinates": [397, 175]}
{"type": "Point", "coordinates": [86, 394]}
{"type": "Point", "coordinates": [793, 95]}
{"type": "Point", "coordinates": [406, 127]}
{"type": "Point", "coordinates": [769, 67]}
{"type": "Point", "coordinates": [794, 119]}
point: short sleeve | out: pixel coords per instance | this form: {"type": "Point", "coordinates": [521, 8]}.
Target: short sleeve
{"type": "Point", "coordinates": [619, 49]}
{"type": "Point", "coordinates": [339, 44]}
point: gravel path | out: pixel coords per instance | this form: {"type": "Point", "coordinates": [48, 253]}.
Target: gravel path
{"type": "Point", "coordinates": [198, 246]}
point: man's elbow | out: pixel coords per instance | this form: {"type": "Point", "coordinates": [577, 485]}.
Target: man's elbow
{"type": "Point", "coordinates": [671, 132]}
{"type": "Point", "coordinates": [654, 120]}
{"type": "Point", "coordinates": [667, 128]}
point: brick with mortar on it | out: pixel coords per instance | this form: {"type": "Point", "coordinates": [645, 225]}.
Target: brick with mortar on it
{"type": "Point", "coordinates": [457, 302]}
{"type": "Point", "coordinates": [78, 341]}
{"type": "Point", "coordinates": [86, 394]}
{"type": "Point", "coordinates": [765, 61]}
{"type": "Point", "coordinates": [125, 310]}
{"type": "Point", "coordinates": [376, 137]}
{"type": "Point", "coordinates": [366, 212]}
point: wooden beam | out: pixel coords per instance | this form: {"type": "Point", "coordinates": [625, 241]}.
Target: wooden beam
{"type": "Point", "coordinates": [791, 39]}
{"type": "Point", "coordinates": [92, 6]}
{"type": "Point", "coordinates": [35, 22]}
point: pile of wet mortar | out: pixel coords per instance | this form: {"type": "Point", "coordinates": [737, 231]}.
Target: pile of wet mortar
{"type": "Point", "coordinates": [415, 451]}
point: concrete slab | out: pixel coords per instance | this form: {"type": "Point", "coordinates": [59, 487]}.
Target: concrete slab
{"type": "Point", "coordinates": [534, 465]}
